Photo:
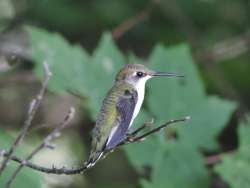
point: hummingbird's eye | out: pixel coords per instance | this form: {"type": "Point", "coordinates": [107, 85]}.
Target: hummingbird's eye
{"type": "Point", "coordinates": [139, 74]}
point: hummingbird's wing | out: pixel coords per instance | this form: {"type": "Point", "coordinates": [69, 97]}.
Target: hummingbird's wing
{"type": "Point", "coordinates": [125, 108]}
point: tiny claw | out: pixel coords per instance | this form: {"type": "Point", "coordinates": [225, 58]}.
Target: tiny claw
{"type": "Point", "coordinates": [131, 139]}
{"type": "Point", "coordinates": [142, 139]}
{"type": "Point", "coordinates": [151, 121]}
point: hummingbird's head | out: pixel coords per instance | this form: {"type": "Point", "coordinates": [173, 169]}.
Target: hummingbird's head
{"type": "Point", "coordinates": [137, 74]}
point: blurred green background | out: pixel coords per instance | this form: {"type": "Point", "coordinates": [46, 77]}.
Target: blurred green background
{"type": "Point", "coordinates": [85, 42]}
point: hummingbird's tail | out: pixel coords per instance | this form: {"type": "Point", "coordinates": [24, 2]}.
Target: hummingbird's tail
{"type": "Point", "coordinates": [93, 158]}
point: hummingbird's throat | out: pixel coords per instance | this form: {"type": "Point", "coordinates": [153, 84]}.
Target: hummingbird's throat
{"type": "Point", "coordinates": [140, 88]}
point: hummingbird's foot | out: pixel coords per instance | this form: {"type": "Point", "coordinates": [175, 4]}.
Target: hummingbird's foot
{"type": "Point", "coordinates": [133, 138]}
{"type": "Point", "coordinates": [138, 130]}
{"type": "Point", "coordinates": [130, 139]}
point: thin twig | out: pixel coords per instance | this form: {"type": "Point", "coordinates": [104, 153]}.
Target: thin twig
{"type": "Point", "coordinates": [85, 166]}
{"type": "Point", "coordinates": [144, 126]}
{"type": "Point", "coordinates": [128, 24]}
{"type": "Point", "coordinates": [211, 160]}
{"type": "Point", "coordinates": [46, 143]}
{"type": "Point", "coordinates": [183, 21]}
{"type": "Point", "coordinates": [131, 139]}
{"type": "Point", "coordinates": [225, 49]}
{"type": "Point", "coordinates": [217, 158]}
{"type": "Point", "coordinates": [34, 105]}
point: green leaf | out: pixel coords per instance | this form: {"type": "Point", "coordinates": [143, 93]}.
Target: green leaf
{"type": "Point", "coordinates": [27, 177]}
{"type": "Point", "coordinates": [235, 167]}
{"type": "Point", "coordinates": [106, 61]}
{"type": "Point", "coordinates": [173, 97]}
{"type": "Point", "coordinates": [208, 120]}
{"type": "Point", "coordinates": [244, 139]}
{"type": "Point", "coordinates": [67, 63]}
{"type": "Point", "coordinates": [73, 69]}
{"type": "Point", "coordinates": [148, 149]}
{"type": "Point", "coordinates": [178, 166]}
{"type": "Point", "coordinates": [167, 98]}
{"type": "Point", "coordinates": [7, 10]}
{"type": "Point", "coordinates": [170, 98]}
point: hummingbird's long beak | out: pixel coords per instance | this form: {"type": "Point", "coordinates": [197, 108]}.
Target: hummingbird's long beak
{"type": "Point", "coordinates": [166, 74]}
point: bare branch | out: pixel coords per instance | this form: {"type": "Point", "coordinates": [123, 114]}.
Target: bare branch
{"type": "Point", "coordinates": [69, 171]}
{"type": "Point", "coordinates": [211, 160]}
{"type": "Point", "coordinates": [217, 158]}
{"type": "Point", "coordinates": [128, 24]}
{"type": "Point", "coordinates": [183, 21]}
{"type": "Point", "coordinates": [52, 170]}
{"type": "Point", "coordinates": [30, 116]}
{"type": "Point", "coordinates": [226, 49]}
{"type": "Point", "coordinates": [46, 143]}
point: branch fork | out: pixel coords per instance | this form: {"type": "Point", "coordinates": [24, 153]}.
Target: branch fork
{"type": "Point", "coordinates": [137, 135]}
{"type": "Point", "coordinates": [131, 138]}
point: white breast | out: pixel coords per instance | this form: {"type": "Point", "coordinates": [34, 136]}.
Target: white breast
{"type": "Point", "coordinates": [140, 87]}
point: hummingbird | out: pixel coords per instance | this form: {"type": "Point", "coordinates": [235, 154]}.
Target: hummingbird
{"type": "Point", "coordinates": [119, 108]}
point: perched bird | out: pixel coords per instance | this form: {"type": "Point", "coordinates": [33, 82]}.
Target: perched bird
{"type": "Point", "coordinates": [119, 108]}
